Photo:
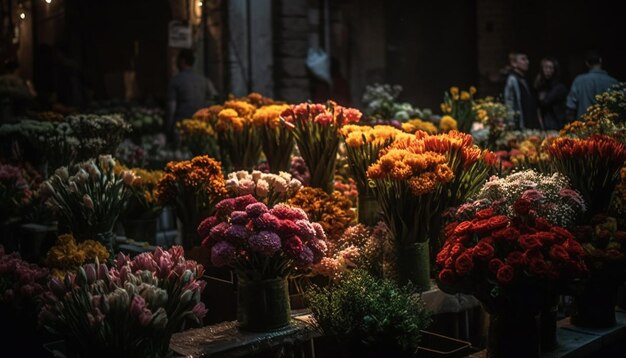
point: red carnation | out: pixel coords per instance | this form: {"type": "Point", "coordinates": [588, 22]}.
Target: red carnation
{"type": "Point", "coordinates": [456, 250]}
{"type": "Point", "coordinates": [561, 233]}
{"type": "Point", "coordinates": [538, 266]}
{"type": "Point", "coordinates": [446, 276]}
{"type": "Point", "coordinates": [529, 242]}
{"type": "Point", "coordinates": [464, 263]}
{"type": "Point", "coordinates": [515, 258]}
{"type": "Point", "coordinates": [558, 252]}
{"type": "Point", "coordinates": [509, 233]}
{"type": "Point", "coordinates": [498, 222]}
{"type": "Point", "coordinates": [206, 225]}
{"type": "Point", "coordinates": [463, 228]}
{"type": "Point", "coordinates": [485, 213]}
{"type": "Point", "coordinates": [505, 273]}
{"type": "Point", "coordinates": [573, 247]}
{"type": "Point", "coordinates": [483, 251]}
{"type": "Point", "coordinates": [443, 254]}
{"type": "Point", "coordinates": [449, 229]}
{"type": "Point", "coordinates": [545, 236]}
{"type": "Point", "coordinates": [495, 264]}
{"type": "Point", "coordinates": [542, 224]}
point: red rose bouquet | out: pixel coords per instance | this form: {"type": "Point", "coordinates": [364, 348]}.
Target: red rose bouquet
{"type": "Point", "coordinates": [492, 256]}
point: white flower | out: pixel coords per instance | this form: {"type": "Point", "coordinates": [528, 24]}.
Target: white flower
{"type": "Point", "coordinates": [285, 176]}
{"type": "Point", "coordinates": [246, 186]}
{"type": "Point", "coordinates": [242, 174]}
{"type": "Point", "coordinates": [232, 184]}
{"type": "Point", "coordinates": [262, 188]}
{"type": "Point", "coordinates": [279, 185]}
{"type": "Point", "coordinates": [93, 170]}
{"type": "Point", "coordinates": [62, 173]}
{"type": "Point", "coordinates": [256, 175]}
{"type": "Point", "coordinates": [294, 185]}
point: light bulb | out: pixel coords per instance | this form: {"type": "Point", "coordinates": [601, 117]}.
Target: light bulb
{"type": "Point", "coordinates": [48, 1]}
{"type": "Point", "coordinates": [199, 3]}
{"type": "Point", "coordinates": [22, 15]}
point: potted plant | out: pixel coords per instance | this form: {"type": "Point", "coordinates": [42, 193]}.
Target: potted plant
{"type": "Point", "coordinates": [264, 246]}
{"type": "Point", "coordinates": [368, 317]}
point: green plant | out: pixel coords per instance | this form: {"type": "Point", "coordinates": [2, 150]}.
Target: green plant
{"type": "Point", "coordinates": [374, 312]}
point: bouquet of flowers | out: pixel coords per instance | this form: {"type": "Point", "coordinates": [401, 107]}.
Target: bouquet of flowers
{"type": "Point", "coordinates": [143, 202]}
{"type": "Point", "coordinates": [315, 129]}
{"type": "Point", "coordinates": [460, 107]}
{"type": "Point", "coordinates": [199, 136]}
{"type": "Point", "coordinates": [270, 189]}
{"type": "Point", "coordinates": [492, 115]}
{"type": "Point", "coordinates": [277, 141]}
{"type": "Point", "coordinates": [604, 244]}
{"type": "Point", "coordinates": [192, 187]}
{"type": "Point", "coordinates": [332, 211]}
{"type": "Point", "coordinates": [66, 255]}
{"type": "Point", "coordinates": [381, 104]}
{"type": "Point", "coordinates": [592, 165]}
{"type": "Point", "coordinates": [550, 196]}
{"type": "Point", "coordinates": [508, 260]}
{"type": "Point", "coordinates": [612, 101]}
{"type": "Point", "coordinates": [237, 135]}
{"type": "Point", "coordinates": [130, 310]}
{"type": "Point", "coordinates": [90, 197]}
{"type": "Point", "coordinates": [360, 246]}
{"type": "Point", "coordinates": [98, 134]}
{"type": "Point", "coordinates": [531, 154]}
{"type": "Point", "coordinates": [14, 191]}
{"type": "Point", "coordinates": [259, 242]}
{"type": "Point", "coordinates": [20, 281]}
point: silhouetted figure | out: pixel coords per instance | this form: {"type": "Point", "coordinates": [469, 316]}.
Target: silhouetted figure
{"type": "Point", "coordinates": [551, 93]}
{"type": "Point", "coordinates": [518, 95]}
{"type": "Point", "coordinates": [586, 86]}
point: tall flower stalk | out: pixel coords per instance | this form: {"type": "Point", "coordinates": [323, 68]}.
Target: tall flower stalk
{"type": "Point", "coordinates": [315, 129]}
{"type": "Point", "coordinates": [277, 141]}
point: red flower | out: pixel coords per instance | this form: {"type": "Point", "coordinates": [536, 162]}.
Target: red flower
{"type": "Point", "coordinates": [483, 251]}
{"type": "Point", "coordinates": [498, 222]}
{"type": "Point", "coordinates": [542, 224]}
{"type": "Point", "coordinates": [456, 250]}
{"type": "Point", "coordinates": [573, 247]}
{"type": "Point", "coordinates": [443, 253]}
{"type": "Point", "coordinates": [505, 274]}
{"type": "Point", "coordinates": [562, 233]}
{"type": "Point", "coordinates": [529, 242]}
{"type": "Point", "coordinates": [538, 266]}
{"type": "Point", "coordinates": [446, 276]}
{"type": "Point", "coordinates": [464, 263]}
{"type": "Point", "coordinates": [485, 213]}
{"type": "Point", "coordinates": [558, 252]}
{"type": "Point", "coordinates": [545, 237]}
{"type": "Point", "coordinates": [522, 206]}
{"type": "Point", "coordinates": [509, 233]}
{"type": "Point", "coordinates": [515, 258]}
{"type": "Point", "coordinates": [463, 228]}
{"type": "Point", "coordinates": [449, 229]}
{"type": "Point", "coordinates": [495, 264]}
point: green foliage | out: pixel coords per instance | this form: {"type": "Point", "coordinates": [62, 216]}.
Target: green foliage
{"type": "Point", "coordinates": [374, 312]}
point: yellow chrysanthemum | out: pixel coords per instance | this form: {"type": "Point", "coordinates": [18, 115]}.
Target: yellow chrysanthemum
{"type": "Point", "coordinates": [447, 123]}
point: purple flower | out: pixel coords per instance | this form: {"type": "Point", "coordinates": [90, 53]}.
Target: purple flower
{"type": "Point", "coordinates": [265, 242]}
{"type": "Point", "coordinates": [305, 258]}
{"type": "Point", "coordinates": [241, 202]}
{"type": "Point", "coordinates": [239, 218]}
{"type": "Point", "coordinates": [255, 210]}
{"type": "Point", "coordinates": [319, 248]}
{"type": "Point", "coordinates": [306, 230]}
{"type": "Point", "coordinates": [293, 246]}
{"type": "Point", "coordinates": [90, 270]}
{"type": "Point", "coordinates": [222, 254]}
{"type": "Point", "coordinates": [236, 234]}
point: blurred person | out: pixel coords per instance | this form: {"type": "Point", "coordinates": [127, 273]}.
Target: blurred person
{"type": "Point", "coordinates": [338, 90]}
{"type": "Point", "coordinates": [187, 93]}
{"type": "Point", "coordinates": [16, 93]}
{"type": "Point", "coordinates": [519, 96]}
{"type": "Point", "coordinates": [551, 93]}
{"type": "Point", "coordinates": [587, 85]}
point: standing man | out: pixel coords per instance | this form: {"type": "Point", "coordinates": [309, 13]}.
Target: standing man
{"type": "Point", "coordinates": [586, 86]}
{"type": "Point", "coordinates": [187, 92]}
{"type": "Point", "coordinates": [518, 95]}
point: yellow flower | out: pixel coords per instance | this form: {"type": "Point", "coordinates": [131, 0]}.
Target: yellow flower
{"type": "Point", "coordinates": [454, 91]}
{"type": "Point", "coordinates": [465, 96]}
{"type": "Point", "coordinates": [243, 109]}
{"type": "Point", "coordinates": [269, 115]}
{"type": "Point", "coordinates": [472, 90]}
{"type": "Point", "coordinates": [419, 125]}
{"type": "Point", "coordinates": [447, 123]}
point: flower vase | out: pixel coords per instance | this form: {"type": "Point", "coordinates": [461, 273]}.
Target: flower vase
{"type": "Point", "coordinates": [413, 264]}
{"type": "Point", "coordinates": [548, 319]}
{"type": "Point", "coordinates": [262, 305]}
{"type": "Point", "coordinates": [513, 333]}
{"type": "Point", "coordinates": [368, 209]}
{"type": "Point", "coordinates": [594, 306]}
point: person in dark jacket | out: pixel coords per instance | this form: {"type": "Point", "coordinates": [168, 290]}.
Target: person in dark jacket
{"type": "Point", "coordinates": [519, 96]}
{"type": "Point", "coordinates": [551, 94]}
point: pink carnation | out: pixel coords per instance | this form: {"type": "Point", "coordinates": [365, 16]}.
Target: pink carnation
{"type": "Point", "coordinates": [293, 246]}
{"type": "Point", "coordinates": [286, 212]}
{"type": "Point", "coordinates": [219, 231]}
{"type": "Point", "coordinates": [242, 201]}
{"type": "Point", "coordinates": [225, 207]}
{"type": "Point", "coordinates": [265, 242]}
{"type": "Point", "coordinates": [266, 221]}
{"type": "Point", "coordinates": [222, 254]}
{"type": "Point", "coordinates": [319, 231]}
{"type": "Point", "coordinates": [287, 228]}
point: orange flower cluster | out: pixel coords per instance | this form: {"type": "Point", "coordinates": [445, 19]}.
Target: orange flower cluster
{"type": "Point", "coordinates": [408, 160]}
{"type": "Point", "coordinates": [596, 146]}
{"type": "Point", "coordinates": [202, 174]}
{"type": "Point", "coordinates": [334, 212]}
{"type": "Point", "coordinates": [269, 115]}
{"type": "Point", "coordinates": [357, 136]}
{"type": "Point", "coordinates": [208, 114]}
